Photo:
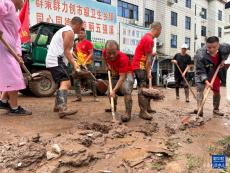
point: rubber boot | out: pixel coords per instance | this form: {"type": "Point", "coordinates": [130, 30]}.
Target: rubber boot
{"type": "Point", "coordinates": [143, 104]}
{"type": "Point", "coordinates": [177, 93]}
{"type": "Point", "coordinates": [62, 104]}
{"type": "Point", "coordinates": [56, 106]}
{"type": "Point", "coordinates": [95, 95]}
{"type": "Point", "coordinates": [200, 98]}
{"type": "Point", "coordinates": [115, 106]}
{"type": "Point", "coordinates": [216, 105]}
{"type": "Point", "coordinates": [186, 90]}
{"type": "Point", "coordinates": [77, 87]}
{"type": "Point", "coordinates": [128, 110]}
{"type": "Point", "coordinates": [149, 109]}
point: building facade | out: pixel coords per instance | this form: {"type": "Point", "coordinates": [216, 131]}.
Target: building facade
{"type": "Point", "coordinates": [183, 21]}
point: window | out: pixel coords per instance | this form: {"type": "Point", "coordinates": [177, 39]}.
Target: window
{"type": "Point", "coordinates": [195, 29]}
{"type": "Point", "coordinates": [187, 22]}
{"type": "Point", "coordinates": [188, 3]}
{"type": "Point", "coordinates": [219, 32]}
{"type": "Point", "coordinates": [195, 10]}
{"type": "Point", "coordinates": [173, 18]}
{"type": "Point", "coordinates": [175, 1]}
{"type": "Point", "coordinates": [149, 17]}
{"type": "Point", "coordinates": [219, 15]}
{"type": "Point", "coordinates": [105, 1]}
{"type": "Point", "coordinates": [187, 41]}
{"type": "Point", "coordinates": [194, 47]}
{"type": "Point", "coordinates": [127, 10]}
{"type": "Point", "coordinates": [202, 44]}
{"type": "Point", "coordinates": [173, 41]}
{"type": "Point", "coordinates": [205, 13]}
{"type": "Point", "coordinates": [203, 31]}
{"type": "Point", "coordinates": [43, 37]}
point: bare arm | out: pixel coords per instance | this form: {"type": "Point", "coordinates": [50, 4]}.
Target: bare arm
{"type": "Point", "coordinates": [148, 65]}
{"type": "Point", "coordinates": [107, 65]}
{"type": "Point", "coordinates": [120, 81]}
{"type": "Point", "coordinates": [89, 57]}
{"type": "Point", "coordinates": [68, 38]}
{"type": "Point", "coordinates": [185, 71]}
{"type": "Point", "coordinates": [118, 85]}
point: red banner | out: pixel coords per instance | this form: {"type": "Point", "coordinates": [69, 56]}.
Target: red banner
{"type": "Point", "coordinates": [24, 18]}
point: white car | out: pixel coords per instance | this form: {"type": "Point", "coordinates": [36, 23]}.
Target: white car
{"type": "Point", "coordinates": [169, 80]}
{"type": "Point", "coordinates": [135, 84]}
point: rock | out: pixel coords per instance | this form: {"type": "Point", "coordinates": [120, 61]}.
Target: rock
{"type": "Point", "coordinates": [56, 148]}
{"type": "Point", "coordinates": [51, 155]}
{"type": "Point", "coordinates": [95, 127]}
{"type": "Point", "coordinates": [148, 128]}
{"type": "Point", "coordinates": [99, 141]}
{"type": "Point", "coordinates": [35, 138]}
{"type": "Point", "coordinates": [21, 144]}
{"type": "Point", "coordinates": [168, 130]}
{"type": "Point", "coordinates": [26, 155]}
{"type": "Point", "coordinates": [137, 160]}
{"type": "Point", "coordinates": [80, 156]}
{"type": "Point", "coordinates": [226, 150]}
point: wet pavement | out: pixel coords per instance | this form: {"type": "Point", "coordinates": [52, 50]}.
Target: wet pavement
{"type": "Point", "coordinates": [164, 144]}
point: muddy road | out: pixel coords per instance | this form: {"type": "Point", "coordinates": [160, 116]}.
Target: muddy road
{"type": "Point", "coordinates": [88, 142]}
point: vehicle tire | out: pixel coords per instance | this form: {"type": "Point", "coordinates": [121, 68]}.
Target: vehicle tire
{"type": "Point", "coordinates": [190, 83]}
{"type": "Point", "coordinates": [44, 88]}
{"type": "Point", "coordinates": [26, 91]}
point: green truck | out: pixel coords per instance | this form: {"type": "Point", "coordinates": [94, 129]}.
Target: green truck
{"type": "Point", "coordinates": [34, 54]}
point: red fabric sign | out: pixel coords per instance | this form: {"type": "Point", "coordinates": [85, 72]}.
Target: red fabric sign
{"type": "Point", "coordinates": [24, 18]}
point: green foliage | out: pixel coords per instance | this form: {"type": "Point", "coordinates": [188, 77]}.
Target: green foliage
{"type": "Point", "coordinates": [156, 165]}
{"type": "Point", "coordinates": [227, 168]}
{"type": "Point", "coordinates": [223, 142]}
{"type": "Point", "coordinates": [98, 46]}
{"type": "Point", "coordinates": [42, 40]}
{"type": "Point", "coordinates": [193, 162]}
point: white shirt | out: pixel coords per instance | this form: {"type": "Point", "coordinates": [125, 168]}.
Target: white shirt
{"type": "Point", "coordinates": [228, 60]}
{"type": "Point", "coordinates": [56, 48]}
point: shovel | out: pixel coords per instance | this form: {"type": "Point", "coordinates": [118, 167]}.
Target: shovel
{"type": "Point", "coordinates": [101, 86]}
{"type": "Point", "coordinates": [150, 79]}
{"type": "Point", "coordinates": [196, 117]}
{"type": "Point", "coordinates": [186, 81]}
{"type": "Point", "coordinates": [31, 77]}
{"type": "Point", "coordinates": [151, 92]}
{"type": "Point", "coordinates": [112, 101]}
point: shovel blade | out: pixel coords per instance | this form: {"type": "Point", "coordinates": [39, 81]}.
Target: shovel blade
{"type": "Point", "coordinates": [189, 118]}
{"type": "Point", "coordinates": [193, 117]}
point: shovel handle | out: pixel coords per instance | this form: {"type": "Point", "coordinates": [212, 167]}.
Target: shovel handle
{"type": "Point", "coordinates": [84, 67]}
{"type": "Point", "coordinates": [154, 59]}
{"type": "Point", "coordinates": [15, 55]}
{"type": "Point", "coordinates": [150, 79]}
{"type": "Point", "coordinates": [186, 81]}
{"type": "Point", "coordinates": [110, 89]}
{"type": "Point", "coordinates": [209, 89]}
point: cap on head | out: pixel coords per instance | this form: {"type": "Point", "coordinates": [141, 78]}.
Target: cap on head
{"type": "Point", "coordinates": [184, 46]}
